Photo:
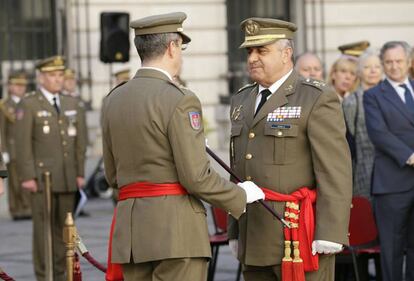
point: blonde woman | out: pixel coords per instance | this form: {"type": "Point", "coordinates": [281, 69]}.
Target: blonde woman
{"type": "Point", "coordinates": [343, 76]}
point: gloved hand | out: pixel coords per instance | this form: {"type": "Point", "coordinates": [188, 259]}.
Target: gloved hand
{"type": "Point", "coordinates": [253, 192]}
{"type": "Point", "coordinates": [6, 157]}
{"type": "Point", "coordinates": [234, 247]}
{"type": "Point", "coordinates": [410, 160]}
{"type": "Point", "coordinates": [325, 247]}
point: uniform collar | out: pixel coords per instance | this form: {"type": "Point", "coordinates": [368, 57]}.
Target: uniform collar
{"type": "Point", "coordinates": [275, 86]}
{"type": "Point", "coordinates": [15, 98]}
{"type": "Point", "coordinates": [49, 96]}
{"type": "Point", "coordinates": [158, 69]}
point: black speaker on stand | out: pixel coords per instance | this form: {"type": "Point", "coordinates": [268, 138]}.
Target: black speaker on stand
{"type": "Point", "coordinates": [115, 44]}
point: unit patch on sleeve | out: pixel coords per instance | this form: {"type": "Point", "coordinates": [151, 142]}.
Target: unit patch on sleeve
{"type": "Point", "coordinates": [195, 120]}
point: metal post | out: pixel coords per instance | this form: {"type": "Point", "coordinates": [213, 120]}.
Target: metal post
{"type": "Point", "coordinates": [48, 227]}
{"type": "Point", "coordinates": [69, 237]}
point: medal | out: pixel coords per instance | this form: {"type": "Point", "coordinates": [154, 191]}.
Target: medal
{"type": "Point", "coordinates": [46, 129]}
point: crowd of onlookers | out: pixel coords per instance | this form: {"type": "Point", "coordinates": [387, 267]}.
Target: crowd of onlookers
{"type": "Point", "coordinates": [376, 92]}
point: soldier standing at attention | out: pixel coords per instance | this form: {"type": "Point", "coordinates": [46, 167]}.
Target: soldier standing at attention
{"type": "Point", "coordinates": [288, 133]}
{"type": "Point", "coordinates": [154, 152]}
{"type": "Point", "coordinates": [19, 199]}
{"type": "Point", "coordinates": [51, 137]}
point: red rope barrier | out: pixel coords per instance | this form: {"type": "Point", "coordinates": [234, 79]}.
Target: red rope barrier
{"type": "Point", "coordinates": [5, 277]}
{"type": "Point", "coordinates": [94, 262]}
{"type": "Point", "coordinates": [77, 273]}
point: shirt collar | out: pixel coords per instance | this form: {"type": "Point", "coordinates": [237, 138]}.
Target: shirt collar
{"type": "Point", "coordinates": [49, 96]}
{"type": "Point", "coordinates": [275, 86]}
{"type": "Point", "coordinates": [16, 99]}
{"type": "Point", "coordinates": [396, 84]}
{"type": "Point", "coordinates": [158, 69]}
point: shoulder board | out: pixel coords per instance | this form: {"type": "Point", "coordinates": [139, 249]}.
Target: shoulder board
{"type": "Point", "coordinates": [315, 83]}
{"type": "Point", "coordinates": [182, 89]}
{"type": "Point", "coordinates": [246, 86]}
{"type": "Point", "coordinates": [119, 85]}
{"type": "Point", "coordinates": [30, 94]}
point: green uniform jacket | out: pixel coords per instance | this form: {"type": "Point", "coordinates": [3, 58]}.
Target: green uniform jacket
{"type": "Point", "coordinates": [51, 142]}
{"type": "Point", "coordinates": [8, 127]}
{"type": "Point", "coordinates": [308, 149]}
{"type": "Point", "coordinates": [148, 137]}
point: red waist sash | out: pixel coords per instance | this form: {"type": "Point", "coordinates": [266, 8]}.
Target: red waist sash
{"type": "Point", "coordinates": [137, 190]}
{"type": "Point", "coordinates": [299, 213]}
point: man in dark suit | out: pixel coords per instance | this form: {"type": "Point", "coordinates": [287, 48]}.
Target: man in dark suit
{"type": "Point", "coordinates": [389, 113]}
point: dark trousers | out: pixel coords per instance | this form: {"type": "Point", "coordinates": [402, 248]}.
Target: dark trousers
{"type": "Point", "coordinates": [394, 215]}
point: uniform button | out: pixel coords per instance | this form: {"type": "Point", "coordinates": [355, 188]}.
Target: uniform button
{"type": "Point", "coordinates": [41, 164]}
{"type": "Point", "coordinates": [60, 121]}
{"type": "Point", "coordinates": [62, 132]}
{"type": "Point", "coordinates": [248, 178]}
{"type": "Point", "coordinates": [65, 154]}
{"type": "Point", "coordinates": [249, 156]}
{"type": "Point", "coordinates": [280, 133]}
{"type": "Point", "coordinates": [64, 143]}
{"type": "Point", "coordinates": [251, 135]}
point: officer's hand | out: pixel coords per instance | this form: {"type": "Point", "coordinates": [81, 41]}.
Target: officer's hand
{"type": "Point", "coordinates": [253, 192]}
{"type": "Point", "coordinates": [325, 247]}
{"type": "Point", "coordinates": [30, 185]}
{"type": "Point", "coordinates": [80, 182]}
{"type": "Point", "coordinates": [234, 247]}
{"type": "Point", "coordinates": [6, 157]}
{"type": "Point", "coordinates": [1, 186]}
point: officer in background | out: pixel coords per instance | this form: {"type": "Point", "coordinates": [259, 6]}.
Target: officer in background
{"type": "Point", "coordinates": [19, 199]}
{"type": "Point", "coordinates": [354, 49]}
{"type": "Point", "coordinates": [51, 137]}
{"type": "Point", "coordinates": [154, 152]}
{"type": "Point", "coordinates": [122, 76]}
{"type": "Point", "coordinates": [309, 65]}
{"type": "Point", "coordinates": [69, 84]}
{"type": "Point", "coordinates": [287, 132]}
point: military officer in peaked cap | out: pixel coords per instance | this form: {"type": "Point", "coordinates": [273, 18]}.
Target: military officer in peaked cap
{"type": "Point", "coordinates": [288, 136]}
{"type": "Point", "coordinates": [354, 49]}
{"type": "Point", "coordinates": [19, 199]}
{"type": "Point", "coordinates": [154, 152]}
{"type": "Point", "coordinates": [50, 137]}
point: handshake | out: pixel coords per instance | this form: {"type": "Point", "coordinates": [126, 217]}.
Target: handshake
{"type": "Point", "coordinates": [253, 192]}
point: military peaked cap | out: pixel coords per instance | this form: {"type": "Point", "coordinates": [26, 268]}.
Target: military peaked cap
{"type": "Point", "coordinates": [51, 64]}
{"type": "Point", "coordinates": [263, 31]}
{"type": "Point", "coordinates": [354, 49]}
{"type": "Point", "coordinates": [165, 23]}
{"type": "Point", "coordinates": [18, 77]}
{"type": "Point", "coordinates": [69, 73]}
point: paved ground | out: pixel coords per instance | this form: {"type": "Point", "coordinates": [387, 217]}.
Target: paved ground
{"type": "Point", "coordinates": [15, 246]}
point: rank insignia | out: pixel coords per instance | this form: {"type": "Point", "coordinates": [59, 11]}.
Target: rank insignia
{"type": "Point", "coordinates": [236, 113]}
{"type": "Point", "coordinates": [282, 113]}
{"type": "Point", "coordinates": [195, 120]}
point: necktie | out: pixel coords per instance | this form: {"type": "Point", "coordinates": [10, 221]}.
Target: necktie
{"type": "Point", "coordinates": [55, 105]}
{"type": "Point", "coordinates": [409, 101]}
{"type": "Point", "coordinates": [265, 93]}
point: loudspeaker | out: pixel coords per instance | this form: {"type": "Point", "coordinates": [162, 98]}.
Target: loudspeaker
{"type": "Point", "coordinates": [114, 37]}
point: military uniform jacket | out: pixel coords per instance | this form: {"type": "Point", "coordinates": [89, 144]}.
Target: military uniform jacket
{"type": "Point", "coordinates": [148, 136]}
{"type": "Point", "coordinates": [297, 139]}
{"type": "Point", "coordinates": [8, 127]}
{"type": "Point", "coordinates": [52, 142]}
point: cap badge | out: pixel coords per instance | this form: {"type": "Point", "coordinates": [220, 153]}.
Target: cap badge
{"type": "Point", "coordinates": [252, 28]}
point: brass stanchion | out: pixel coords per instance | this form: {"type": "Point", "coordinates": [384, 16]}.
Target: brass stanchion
{"type": "Point", "coordinates": [47, 193]}
{"type": "Point", "coordinates": [69, 237]}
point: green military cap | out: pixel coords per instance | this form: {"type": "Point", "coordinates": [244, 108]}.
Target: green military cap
{"type": "Point", "coordinates": [18, 77]}
{"type": "Point", "coordinates": [165, 23]}
{"type": "Point", "coordinates": [69, 73]}
{"type": "Point", "coordinates": [122, 74]}
{"type": "Point", "coordinates": [263, 31]}
{"type": "Point", "coordinates": [354, 49]}
{"type": "Point", "coordinates": [51, 64]}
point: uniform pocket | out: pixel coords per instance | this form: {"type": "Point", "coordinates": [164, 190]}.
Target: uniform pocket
{"type": "Point", "coordinates": [197, 205]}
{"type": "Point", "coordinates": [284, 142]}
{"type": "Point", "coordinates": [236, 130]}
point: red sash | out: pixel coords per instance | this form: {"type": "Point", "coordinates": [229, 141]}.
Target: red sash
{"type": "Point", "coordinates": [137, 190]}
{"type": "Point", "coordinates": [299, 213]}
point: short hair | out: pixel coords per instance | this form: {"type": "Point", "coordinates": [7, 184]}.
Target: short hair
{"type": "Point", "coordinates": [298, 57]}
{"type": "Point", "coordinates": [151, 46]}
{"type": "Point", "coordinates": [287, 43]}
{"type": "Point", "coordinates": [394, 44]}
{"type": "Point", "coordinates": [364, 56]}
{"type": "Point", "coordinates": [344, 59]}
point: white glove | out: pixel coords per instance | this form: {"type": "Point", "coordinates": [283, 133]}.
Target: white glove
{"type": "Point", "coordinates": [253, 192]}
{"type": "Point", "coordinates": [410, 160]}
{"type": "Point", "coordinates": [6, 157]}
{"type": "Point", "coordinates": [234, 247]}
{"type": "Point", "coordinates": [325, 247]}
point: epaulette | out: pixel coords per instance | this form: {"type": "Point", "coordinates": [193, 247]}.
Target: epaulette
{"type": "Point", "coordinates": [315, 83]}
{"type": "Point", "coordinates": [246, 86]}
{"type": "Point", "coordinates": [184, 90]}
{"type": "Point", "coordinates": [29, 94]}
{"type": "Point", "coordinates": [120, 84]}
